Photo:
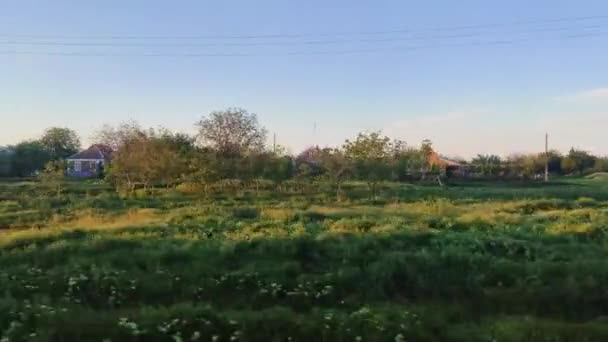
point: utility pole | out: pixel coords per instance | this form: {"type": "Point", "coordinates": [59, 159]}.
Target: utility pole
{"type": "Point", "coordinates": [546, 157]}
{"type": "Point", "coordinates": [274, 143]}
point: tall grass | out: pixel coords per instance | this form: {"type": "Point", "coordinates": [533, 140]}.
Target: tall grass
{"type": "Point", "coordinates": [467, 263]}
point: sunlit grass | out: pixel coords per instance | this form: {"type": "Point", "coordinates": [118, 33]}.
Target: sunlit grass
{"type": "Point", "coordinates": [477, 263]}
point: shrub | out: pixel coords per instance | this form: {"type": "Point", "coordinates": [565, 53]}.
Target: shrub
{"type": "Point", "coordinates": [278, 214]}
{"type": "Point", "coordinates": [245, 213]}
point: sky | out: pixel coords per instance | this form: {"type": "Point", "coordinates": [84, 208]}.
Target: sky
{"type": "Point", "coordinates": [473, 76]}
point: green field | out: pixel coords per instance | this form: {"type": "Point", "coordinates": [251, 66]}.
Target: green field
{"type": "Point", "coordinates": [465, 262]}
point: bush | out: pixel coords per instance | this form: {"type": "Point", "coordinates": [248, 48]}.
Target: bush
{"type": "Point", "coordinates": [245, 213]}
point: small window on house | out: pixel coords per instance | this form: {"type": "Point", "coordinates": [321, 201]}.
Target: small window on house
{"type": "Point", "coordinates": [77, 166]}
{"type": "Point", "coordinates": [93, 165]}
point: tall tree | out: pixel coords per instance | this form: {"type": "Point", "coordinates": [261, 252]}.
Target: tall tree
{"type": "Point", "coordinates": [554, 161]}
{"type": "Point", "coordinates": [60, 142]}
{"type": "Point", "coordinates": [336, 168]}
{"type": "Point", "coordinates": [577, 161]}
{"type": "Point", "coordinates": [147, 160]}
{"type": "Point", "coordinates": [29, 157]}
{"type": "Point", "coordinates": [601, 164]}
{"type": "Point", "coordinates": [203, 168]}
{"type": "Point", "coordinates": [52, 176]}
{"type": "Point", "coordinates": [426, 151]}
{"type": "Point", "coordinates": [6, 161]}
{"type": "Point", "coordinates": [487, 164]}
{"type": "Point", "coordinates": [370, 156]}
{"type": "Point", "coordinates": [116, 136]}
{"type": "Point", "coordinates": [231, 132]}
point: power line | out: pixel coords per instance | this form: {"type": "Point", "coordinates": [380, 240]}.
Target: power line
{"type": "Point", "coordinates": [295, 53]}
{"type": "Point", "coordinates": [304, 35]}
{"type": "Point", "coordinates": [296, 43]}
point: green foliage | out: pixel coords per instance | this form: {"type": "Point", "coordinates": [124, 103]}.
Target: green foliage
{"type": "Point", "coordinates": [232, 132]}
{"type": "Point", "coordinates": [577, 161]}
{"type": "Point", "coordinates": [487, 165]}
{"type": "Point", "coordinates": [245, 213]}
{"type": "Point", "coordinates": [149, 159]}
{"type": "Point", "coordinates": [52, 177]}
{"type": "Point", "coordinates": [487, 261]}
{"type": "Point", "coordinates": [60, 142]}
{"type": "Point", "coordinates": [29, 157]}
{"type": "Point", "coordinates": [6, 161]}
{"type": "Point", "coordinates": [370, 155]}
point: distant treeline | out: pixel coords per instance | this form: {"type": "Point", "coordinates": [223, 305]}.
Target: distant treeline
{"type": "Point", "coordinates": [230, 151]}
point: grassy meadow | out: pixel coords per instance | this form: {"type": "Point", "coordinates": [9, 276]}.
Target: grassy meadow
{"type": "Point", "coordinates": [464, 262]}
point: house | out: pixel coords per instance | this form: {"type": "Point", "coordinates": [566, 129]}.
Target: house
{"type": "Point", "coordinates": [448, 167]}
{"type": "Point", "coordinates": [90, 162]}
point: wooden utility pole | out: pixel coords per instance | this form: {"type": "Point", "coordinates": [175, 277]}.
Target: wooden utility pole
{"type": "Point", "coordinates": [546, 157]}
{"type": "Point", "coordinates": [274, 143]}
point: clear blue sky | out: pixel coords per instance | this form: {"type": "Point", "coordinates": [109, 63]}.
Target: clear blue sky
{"type": "Point", "coordinates": [460, 89]}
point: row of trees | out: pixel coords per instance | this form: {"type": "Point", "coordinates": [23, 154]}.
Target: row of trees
{"type": "Point", "coordinates": [230, 151]}
{"type": "Point", "coordinates": [533, 165]}
{"type": "Point", "coordinates": [30, 156]}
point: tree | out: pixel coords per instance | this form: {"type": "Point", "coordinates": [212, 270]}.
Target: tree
{"type": "Point", "coordinates": [6, 161]}
{"type": "Point", "coordinates": [203, 168]}
{"type": "Point", "coordinates": [53, 175]}
{"type": "Point", "coordinates": [369, 154]}
{"type": "Point", "coordinates": [405, 161]}
{"type": "Point", "coordinates": [525, 165]}
{"type": "Point", "coordinates": [426, 151]}
{"type": "Point", "coordinates": [29, 157]}
{"type": "Point", "coordinates": [554, 160]}
{"type": "Point", "coordinates": [60, 142]}
{"type": "Point", "coordinates": [336, 168]}
{"type": "Point", "coordinates": [601, 164]}
{"type": "Point", "coordinates": [280, 169]}
{"type": "Point", "coordinates": [308, 162]}
{"type": "Point", "coordinates": [577, 161]}
{"type": "Point", "coordinates": [116, 136]}
{"type": "Point", "coordinates": [147, 160]}
{"type": "Point", "coordinates": [232, 132]}
{"type": "Point", "coordinates": [487, 165]}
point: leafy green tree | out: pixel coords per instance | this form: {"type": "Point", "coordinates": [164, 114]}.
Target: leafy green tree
{"type": "Point", "coordinates": [6, 161]}
{"type": "Point", "coordinates": [577, 161]}
{"type": "Point", "coordinates": [147, 160]}
{"type": "Point", "coordinates": [554, 161]}
{"type": "Point", "coordinates": [426, 151]}
{"type": "Point", "coordinates": [29, 157]}
{"type": "Point", "coordinates": [533, 165]}
{"type": "Point", "coordinates": [116, 136]}
{"type": "Point", "coordinates": [525, 165]}
{"type": "Point", "coordinates": [232, 132]}
{"type": "Point", "coordinates": [203, 168]}
{"type": "Point", "coordinates": [369, 154]}
{"type": "Point", "coordinates": [281, 168]}
{"type": "Point", "coordinates": [487, 165]}
{"type": "Point", "coordinates": [336, 168]}
{"type": "Point", "coordinates": [53, 176]}
{"type": "Point", "coordinates": [568, 165]}
{"type": "Point", "coordinates": [601, 164]}
{"type": "Point", "coordinates": [60, 142]}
